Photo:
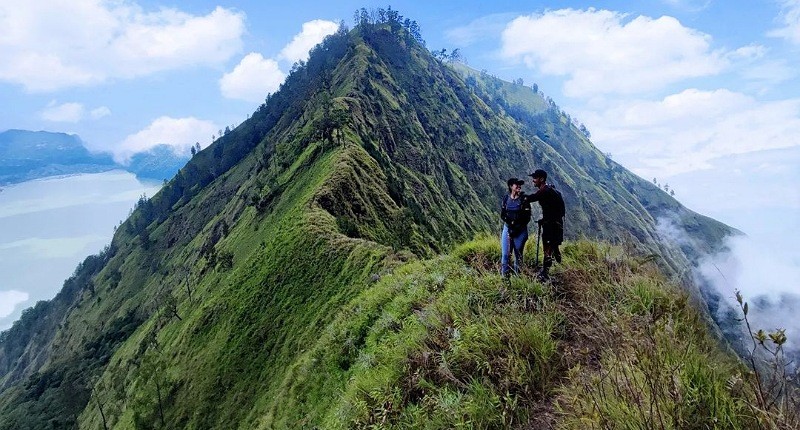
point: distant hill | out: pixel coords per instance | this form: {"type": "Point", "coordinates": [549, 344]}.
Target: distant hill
{"type": "Point", "coordinates": [159, 162]}
{"type": "Point", "coordinates": [293, 273]}
{"type": "Point", "coordinates": [27, 155]}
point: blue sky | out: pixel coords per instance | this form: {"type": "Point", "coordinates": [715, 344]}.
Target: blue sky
{"type": "Point", "coordinates": [701, 95]}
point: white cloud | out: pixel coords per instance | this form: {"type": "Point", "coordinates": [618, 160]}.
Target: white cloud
{"type": "Point", "coordinates": [71, 112]}
{"type": "Point", "coordinates": [770, 73]}
{"type": "Point", "coordinates": [171, 39]}
{"type": "Point", "coordinates": [252, 79]}
{"type": "Point", "coordinates": [65, 112]}
{"type": "Point", "coordinates": [769, 215]}
{"type": "Point", "coordinates": [180, 133]}
{"type": "Point", "coordinates": [749, 52]}
{"type": "Point", "coordinates": [479, 29]}
{"type": "Point", "coordinates": [604, 52]}
{"type": "Point", "coordinates": [100, 112]}
{"type": "Point", "coordinates": [313, 33]}
{"type": "Point", "coordinates": [758, 65]}
{"type": "Point", "coordinates": [767, 279]}
{"type": "Point", "coordinates": [9, 300]}
{"type": "Point", "coordinates": [790, 18]}
{"type": "Point", "coordinates": [49, 44]}
{"type": "Point", "coordinates": [669, 231]}
{"type": "Point", "coordinates": [684, 131]}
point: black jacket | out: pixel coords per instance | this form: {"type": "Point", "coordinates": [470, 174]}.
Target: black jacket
{"type": "Point", "coordinates": [516, 219]}
{"type": "Point", "coordinates": [552, 204]}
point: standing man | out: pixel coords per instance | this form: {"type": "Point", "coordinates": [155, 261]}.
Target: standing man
{"type": "Point", "coordinates": [552, 222]}
{"type": "Point", "coordinates": [516, 214]}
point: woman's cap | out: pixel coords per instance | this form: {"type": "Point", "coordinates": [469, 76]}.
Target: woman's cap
{"type": "Point", "coordinates": [512, 181]}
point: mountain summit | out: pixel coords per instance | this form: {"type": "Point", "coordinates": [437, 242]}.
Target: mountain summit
{"type": "Point", "coordinates": [373, 153]}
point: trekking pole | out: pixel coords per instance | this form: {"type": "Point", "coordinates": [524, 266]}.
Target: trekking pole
{"type": "Point", "coordinates": [538, 235]}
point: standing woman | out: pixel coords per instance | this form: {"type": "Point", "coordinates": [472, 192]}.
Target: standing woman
{"type": "Point", "coordinates": [515, 213]}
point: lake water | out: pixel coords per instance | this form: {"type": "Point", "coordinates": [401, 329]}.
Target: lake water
{"type": "Point", "coordinates": [49, 225]}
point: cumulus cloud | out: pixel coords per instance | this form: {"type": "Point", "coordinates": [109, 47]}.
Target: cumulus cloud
{"type": "Point", "coordinates": [762, 214]}
{"type": "Point", "coordinates": [759, 65]}
{"type": "Point", "coordinates": [749, 52]}
{"type": "Point", "coordinates": [65, 112]}
{"type": "Point", "coordinates": [252, 79]}
{"type": "Point", "coordinates": [654, 137]}
{"type": "Point", "coordinates": [179, 133]}
{"type": "Point", "coordinates": [71, 112]}
{"type": "Point", "coordinates": [255, 76]}
{"type": "Point", "coordinates": [313, 32]}
{"type": "Point", "coordinates": [770, 73]}
{"type": "Point", "coordinates": [790, 18]}
{"type": "Point", "coordinates": [606, 52]}
{"type": "Point", "coordinates": [100, 112]}
{"type": "Point", "coordinates": [49, 44]}
{"type": "Point", "coordinates": [479, 29]}
{"type": "Point", "coordinates": [9, 300]}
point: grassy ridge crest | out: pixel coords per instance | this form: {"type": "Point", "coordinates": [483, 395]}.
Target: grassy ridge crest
{"type": "Point", "coordinates": [446, 343]}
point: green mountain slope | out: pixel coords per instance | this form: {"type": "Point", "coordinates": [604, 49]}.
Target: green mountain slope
{"type": "Point", "coordinates": [212, 295]}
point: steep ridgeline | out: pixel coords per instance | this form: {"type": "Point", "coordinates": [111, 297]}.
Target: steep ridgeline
{"type": "Point", "coordinates": [371, 153]}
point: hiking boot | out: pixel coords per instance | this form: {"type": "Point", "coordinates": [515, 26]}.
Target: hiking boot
{"type": "Point", "coordinates": [542, 276]}
{"type": "Point", "coordinates": [557, 255]}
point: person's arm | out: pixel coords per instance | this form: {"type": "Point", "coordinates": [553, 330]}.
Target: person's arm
{"type": "Point", "coordinates": [535, 197]}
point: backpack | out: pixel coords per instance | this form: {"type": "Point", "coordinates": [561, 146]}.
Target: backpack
{"type": "Point", "coordinates": [522, 218]}
{"type": "Point", "coordinates": [561, 209]}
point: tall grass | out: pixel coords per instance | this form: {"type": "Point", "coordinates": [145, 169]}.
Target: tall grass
{"type": "Point", "coordinates": [454, 347]}
{"type": "Point", "coordinates": [774, 382]}
{"type": "Point", "coordinates": [647, 360]}
{"type": "Point", "coordinates": [609, 344]}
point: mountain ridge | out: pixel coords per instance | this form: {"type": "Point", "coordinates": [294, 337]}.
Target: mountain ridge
{"type": "Point", "coordinates": [371, 154]}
